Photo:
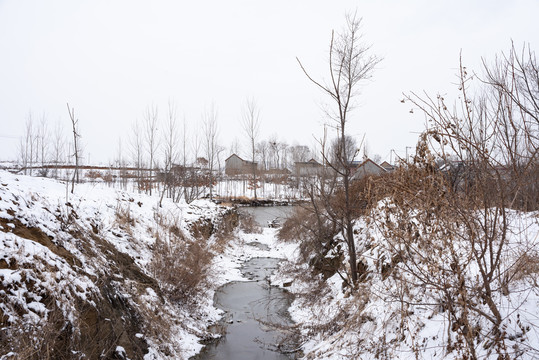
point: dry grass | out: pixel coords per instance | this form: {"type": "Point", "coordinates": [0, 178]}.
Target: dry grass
{"type": "Point", "coordinates": [249, 225]}
{"type": "Point", "coordinates": [181, 264]}
{"type": "Point", "coordinates": [226, 229]}
{"type": "Point", "coordinates": [526, 266]}
{"type": "Point", "coordinates": [123, 217]}
{"type": "Point", "coordinates": [182, 268]}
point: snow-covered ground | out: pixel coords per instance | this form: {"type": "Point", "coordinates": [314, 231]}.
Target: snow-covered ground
{"type": "Point", "coordinates": [247, 246]}
{"type": "Point", "coordinates": [397, 316]}
{"type": "Point", "coordinates": [83, 266]}
{"type": "Point", "coordinates": [88, 256]}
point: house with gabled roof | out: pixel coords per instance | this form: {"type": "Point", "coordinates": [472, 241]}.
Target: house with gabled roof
{"type": "Point", "coordinates": [235, 165]}
{"type": "Point", "coordinates": [367, 168]}
{"type": "Point", "coordinates": [387, 166]}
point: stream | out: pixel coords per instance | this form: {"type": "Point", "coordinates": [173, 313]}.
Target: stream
{"type": "Point", "coordinates": [256, 312]}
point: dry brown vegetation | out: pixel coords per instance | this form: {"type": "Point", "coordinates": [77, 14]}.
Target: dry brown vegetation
{"type": "Point", "coordinates": [444, 232]}
{"type": "Point", "coordinates": [181, 266]}
{"type": "Point", "coordinates": [248, 224]}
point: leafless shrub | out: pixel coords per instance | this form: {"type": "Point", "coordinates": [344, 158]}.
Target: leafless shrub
{"type": "Point", "coordinates": [202, 229]}
{"type": "Point", "coordinates": [226, 229]}
{"type": "Point", "coordinates": [449, 237]}
{"type": "Point", "coordinates": [94, 174]}
{"type": "Point", "coordinates": [444, 240]}
{"type": "Point", "coordinates": [526, 266]}
{"type": "Point", "coordinates": [249, 225]}
{"type": "Point", "coordinates": [45, 339]}
{"type": "Point", "coordinates": [183, 268]}
{"type": "Point", "coordinates": [123, 217]}
{"type": "Point", "coordinates": [55, 336]}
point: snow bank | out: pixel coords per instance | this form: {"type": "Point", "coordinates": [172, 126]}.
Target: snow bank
{"type": "Point", "coordinates": [85, 257]}
{"type": "Point", "coordinates": [397, 311]}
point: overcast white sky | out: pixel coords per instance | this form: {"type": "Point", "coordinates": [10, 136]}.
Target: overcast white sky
{"type": "Point", "coordinates": [111, 59]}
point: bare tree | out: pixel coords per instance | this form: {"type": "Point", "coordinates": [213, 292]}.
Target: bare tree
{"type": "Point", "coordinates": [274, 151]}
{"type": "Point", "coordinates": [121, 164]}
{"type": "Point", "coordinates": [299, 153]}
{"type": "Point", "coordinates": [43, 137]}
{"type": "Point", "coordinates": [492, 135]}
{"type": "Point", "coordinates": [211, 145]}
{"type": "Point", "coordinates": [184, 143]}
{"type": "Point", "coordinates": [58, 147]}
{"type": "Point", "coordinates": [350, 64]}
{"type": "Point", "coordinates": [27, 146]}
{"type": "Point", "coordinates": [277, 151]}
{"type": "Point", "coordinates": [76, 146]}
{"type": "Point", "coordinates": [191, 182]}
{"type": "Point", "coordinates": [137, 154]}
{"type": "Point", "coordinates": [235, 146]}
{"type": "Point", "coordinates": [251, 126]}
{"type": "Point", "coordinates": [152, 140]}
{"type": "Point", "coordinates": [170, 150]}
{"type": "Point", "coordinates": [336, 152]}
{"type": "Point", "coordinates": [262, 148]}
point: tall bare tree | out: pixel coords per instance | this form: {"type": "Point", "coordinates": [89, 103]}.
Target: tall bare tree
{"type": "Point", "coordinates": [350, 64]}
{"type": "Point", "coordinates": [121, 163]}
{"type": "Point", "coordinates": [137, 153]}
{"type": "Point", "coordinates": [262, 148]}
{"type": "Point", "coordinates": [277, 150]}
{"type": "Point", "coordinates": [151, 137]}
{"type": "Point", "coordinates": [184, 153]}
{"type": "Point", "coordinates": [76, 146]}
{"type": "Point", "coordinates": [251, 126]}
{"type": "Point", "coordinates": [170, 150]}
{"type": "Point", "coordinates": [43, 137]}
{"type": "Point", "coordinates": [27, 146]}
{"type": "Point", "coordinates": [211, 143]}
{"type": "Point", "coordinates": [58, 146]}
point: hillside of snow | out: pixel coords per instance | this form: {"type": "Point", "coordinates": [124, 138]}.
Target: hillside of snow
{"type": "Point", "coordinates": [104, 273]}
{"type": "Point", "coordinates": [421, 299]}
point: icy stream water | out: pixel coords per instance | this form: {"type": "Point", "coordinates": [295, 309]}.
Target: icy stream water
{"type": "Point", "coordinates": [255, 310]}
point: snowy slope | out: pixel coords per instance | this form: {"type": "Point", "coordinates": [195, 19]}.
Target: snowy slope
{"type": "Point", "coordinates": [77, 271]}
{"type": "Point", "coordinates": [394, 315]}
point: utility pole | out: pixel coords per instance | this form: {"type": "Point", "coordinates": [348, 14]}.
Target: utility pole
{"type": "Point", "coordinates": [408, 147]}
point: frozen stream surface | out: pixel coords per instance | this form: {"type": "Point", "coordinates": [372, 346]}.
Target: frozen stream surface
{"type": "Point", "coordinates": [256, 313]}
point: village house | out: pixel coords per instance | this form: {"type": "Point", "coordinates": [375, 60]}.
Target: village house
{"type": "Point", "coordinates": [387, 166]}
{"type": "Point", "coordinates": [367, 168]}
{"type": "Point", "coordinates": [234, 165]}
{"type": "Point", "coordinates": [308, 168]}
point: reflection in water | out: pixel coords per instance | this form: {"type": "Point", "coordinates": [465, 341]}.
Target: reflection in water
{"type": "Point", "coordinates": [256, 312]}
{"type": "Point", "coordinates": [253, 308]}
{"type": "Point", "coordinates": [264, 214]}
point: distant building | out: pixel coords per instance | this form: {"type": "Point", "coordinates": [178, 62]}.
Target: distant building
{"type": "Point", "coordinates": [387, 166]}
{"type": "Point", "coordinates": [309, 168]}
{"type": "Point", "coordinates": [367, 168]}
{"type": "Point", "coordinates": [234, 165]}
